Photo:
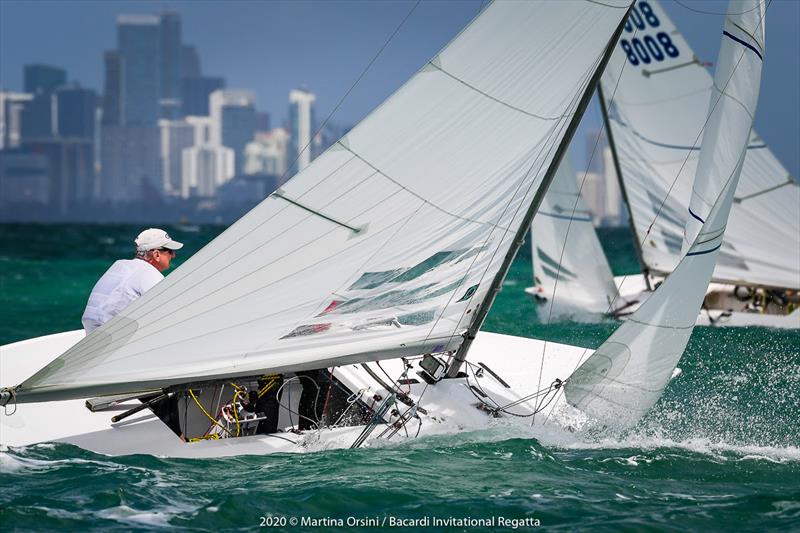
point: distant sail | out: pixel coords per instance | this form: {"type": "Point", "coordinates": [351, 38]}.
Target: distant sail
{"type": "Point", "coordinates": [626, 375]}
{"type": "Point", "coordinates": [385, 245]}
{"type": "Point", "coordinates": [660, 92]}
{"type": "Point", "coordinates": [568, 262]}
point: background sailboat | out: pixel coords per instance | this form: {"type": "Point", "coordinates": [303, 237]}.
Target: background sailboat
{"type": "Point", "coordinates": [572, 276]}
{"type": "Point", "coordinates": [626, 375]}
{"type": "Point", "coordinates": [655, 92]}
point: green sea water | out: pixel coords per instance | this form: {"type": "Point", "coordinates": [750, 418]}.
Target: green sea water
{"type": "Point", "coordinates": [720, 451]}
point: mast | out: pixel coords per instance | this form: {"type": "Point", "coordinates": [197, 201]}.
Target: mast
{"type": "Point", "coordinates": [519, 238]}
{"type": "Point", "coordinates": [618, 169]}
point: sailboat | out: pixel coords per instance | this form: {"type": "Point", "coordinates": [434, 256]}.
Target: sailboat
{"type": "Point", "coordinates": [377, 264]}
{"type": "Point", "coordinates": [653, 99]}
{"type": "Point", "coordinates": [571, 274]}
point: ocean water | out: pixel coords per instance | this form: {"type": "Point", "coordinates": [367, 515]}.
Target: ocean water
{"type": "Point", "coordinates": [720, 451]}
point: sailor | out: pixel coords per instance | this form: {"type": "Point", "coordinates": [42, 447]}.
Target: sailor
{"type": "Point", "coordinates": [128, 279]}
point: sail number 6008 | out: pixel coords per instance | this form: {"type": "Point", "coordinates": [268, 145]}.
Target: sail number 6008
{"type": "Point", "coordinates": [648, 49]}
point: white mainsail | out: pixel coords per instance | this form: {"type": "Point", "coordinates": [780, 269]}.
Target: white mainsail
{"type": "Point", "coordinates": [568, 261]}
{"type": "Point", "coordinates": [660, 95]}
{"type": "Point", "coordinates": [622, 380]}
{"type": "Point", "coordinates": [385, 245]}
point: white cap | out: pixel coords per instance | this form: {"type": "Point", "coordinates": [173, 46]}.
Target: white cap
{"type": "Point", "coordinates": [153, 238]}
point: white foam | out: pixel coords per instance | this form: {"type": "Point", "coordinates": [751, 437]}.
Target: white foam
{"type": "Point", "coordinates": [156, 517]}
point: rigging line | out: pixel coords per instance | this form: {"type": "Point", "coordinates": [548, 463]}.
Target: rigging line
{"type": "Point", "coordinates": [668, 193]}
{"type": "Point", "coordinates": [613, 6]}
{"type": "Point", "coordinates": [671, 98]}
{"type": "Point", "coordinates": [710, 12]}
{"type": "Point", "coordinates": [353, 86]}
{"type": "Point", "coordinates": [492, 98]}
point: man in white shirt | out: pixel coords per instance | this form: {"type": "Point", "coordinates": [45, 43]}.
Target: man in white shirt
{"type": "Point", "coordinates": [128, 279]}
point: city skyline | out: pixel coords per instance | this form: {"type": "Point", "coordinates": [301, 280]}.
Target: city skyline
{"type": "Point", "coordinates": [265, 55]}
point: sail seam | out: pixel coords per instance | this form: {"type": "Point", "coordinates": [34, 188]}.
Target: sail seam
{"type": "Point", "coordinates": [494, 99]}
{"type": "Point", "coordinates": [566, 217]}
{"type": "Point", "coordinates": [625, 6]}
{"type": "Point", "coordinates": [672, 146]}
{"type": "Point", "coordinates": [418, 196]}
{"type": "Point", "coordinates": [734, 99]}
{"type": "Point", "coordinates": [741, 199]}
{"type": "Point", "coordinates": [662, 326]}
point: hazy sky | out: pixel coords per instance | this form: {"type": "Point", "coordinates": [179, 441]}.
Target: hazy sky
{"type": "Point", "coordinates": [273, 46]}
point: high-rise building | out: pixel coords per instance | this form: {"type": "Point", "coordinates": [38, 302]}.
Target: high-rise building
{"type": "Point", "coordinates": [24, 179]}
{"type": "Point", "coordinates": [267, 153]}
{"type": "Point", "coordinates": [202, 129]}
{"type": "Point", "coordinates": [263, 121]}
{"type": "Point", "coordinates": [71, 178]}
{"type": "Point", "coordinates": [593, 193]}
{"type": "Point", "coordinates": [38, 117]}
{"type": "Point", "coordinates": [171, 65]}
{"type": "Point", "coordinates": [140, 45]}
{"type": "Point", "coordinates": [176, 136]}
{"type": "Point", "coordinates": [196, 92]}
{"type": "Point", "coordinates": [594, 150]}
{"type": "Point", "coordinates": [130, 164]}
{"type": "Point", "coordinates": [613, 197]}
{"type": "Point", "coordinates": [75, 112]}
{"type": "Point", "coordinates": [190, 62]}
{"type": "Point", "coordinates": [204, 169]}
{"type": "Point", "coordinates": [301, 124]}
{"type": "Point", "coordinates": [172, 55]}
{"type": "Point", "coordinates": [43, 78]}
{"type": "Point", "coordinates": [113, 89]}
{"type": "Point", "coordinates": [11, 106]}
{"type": "Point", "coordinates": [233, 121]}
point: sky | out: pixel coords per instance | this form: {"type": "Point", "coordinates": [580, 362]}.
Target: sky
{"type": "Point", "coordinates": [274, 46]}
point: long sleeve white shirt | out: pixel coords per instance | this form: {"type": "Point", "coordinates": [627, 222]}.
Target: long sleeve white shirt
{"type": "Point", "coordinates": [124, 282]}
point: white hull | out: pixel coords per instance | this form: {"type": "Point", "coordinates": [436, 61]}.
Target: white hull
{"type": "Point", "coordinates": [633, 287]}
{"type": "Point", "coordinates": [450, 404]}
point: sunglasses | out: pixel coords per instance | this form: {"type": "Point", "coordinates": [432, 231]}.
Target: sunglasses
{"type": "Point", "coordinates": [166, 251]}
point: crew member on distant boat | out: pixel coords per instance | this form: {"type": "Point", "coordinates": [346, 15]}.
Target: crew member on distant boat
{"type": "Point", "coordinates": [128, 279]}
